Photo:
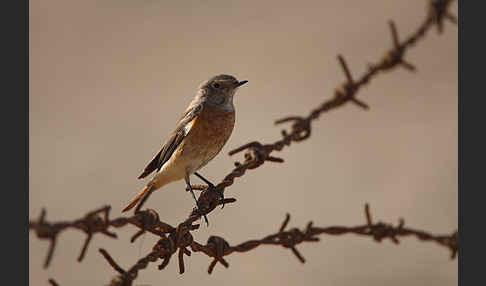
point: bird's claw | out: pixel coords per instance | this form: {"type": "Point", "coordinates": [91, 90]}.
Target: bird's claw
{"type": "Point", "coordinates": [213, 188]}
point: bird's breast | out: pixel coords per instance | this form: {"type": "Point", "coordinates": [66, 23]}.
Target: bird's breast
{"type": "Point", "coordinates": [207, 136]}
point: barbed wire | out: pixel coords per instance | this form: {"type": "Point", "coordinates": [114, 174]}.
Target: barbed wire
{"type": "Point", "coordinates": [257, 153]}
{"type": "Point", "coordinates": [179, 239]}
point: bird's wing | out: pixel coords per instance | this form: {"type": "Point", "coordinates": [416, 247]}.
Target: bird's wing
{"type": "Point", "coordinates": [176, 137]}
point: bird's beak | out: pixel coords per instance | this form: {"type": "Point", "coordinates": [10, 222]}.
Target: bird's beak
{"type": "Point", "coordinates": [240, 83]}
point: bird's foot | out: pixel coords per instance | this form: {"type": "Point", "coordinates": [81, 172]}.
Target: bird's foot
{"type": "Point", "coordinates": [213, 188]}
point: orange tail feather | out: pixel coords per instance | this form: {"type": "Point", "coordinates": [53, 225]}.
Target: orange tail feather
{"type": "Point", "coordinates": [137, 198]}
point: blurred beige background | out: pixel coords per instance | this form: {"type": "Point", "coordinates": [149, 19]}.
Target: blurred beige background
{"type": "Point", "coordinates": [109, 79]}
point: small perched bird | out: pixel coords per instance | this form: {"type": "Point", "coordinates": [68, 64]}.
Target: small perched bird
{"type": "Point", "coordinates": [200, 134]}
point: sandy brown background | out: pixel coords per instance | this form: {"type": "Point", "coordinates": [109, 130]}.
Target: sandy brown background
{"type": "Point", "coordinates": [109, 79]}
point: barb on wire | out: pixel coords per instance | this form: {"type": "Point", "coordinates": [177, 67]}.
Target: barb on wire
{"type": "Point", "coordinates": [179, 239]}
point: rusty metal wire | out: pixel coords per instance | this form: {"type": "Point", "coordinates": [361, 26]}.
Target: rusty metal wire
{"type": "Point", "coordinates": [179, 239]}
{"type": "Point", "coordinates": [217, 247]}
{"type": "Point", "coordinates": [94, 223]}
{"type": "Point", "coordinates": [257, 153]}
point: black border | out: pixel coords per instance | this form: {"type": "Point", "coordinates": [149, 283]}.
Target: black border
{"type": "Point", "coordinates": [15, 146]}
{"type": "Point", "coordinates": [471, 143]}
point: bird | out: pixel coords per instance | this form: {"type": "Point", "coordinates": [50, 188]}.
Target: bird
{"type": "Point", "coordinates": [199, 136]}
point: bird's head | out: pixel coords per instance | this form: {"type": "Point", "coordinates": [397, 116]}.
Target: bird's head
{"type": "Point", "coordinates": [219, 90]}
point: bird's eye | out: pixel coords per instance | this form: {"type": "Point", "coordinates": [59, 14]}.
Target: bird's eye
{"type": "Point", "coordinates": [216, 85]}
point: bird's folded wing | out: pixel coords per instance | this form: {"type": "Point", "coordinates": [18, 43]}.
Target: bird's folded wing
{"type": "Point", "coordinates": [176, 137]}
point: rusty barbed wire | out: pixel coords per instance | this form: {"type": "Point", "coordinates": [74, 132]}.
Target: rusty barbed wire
{"type": "Point", "coordinates": [179, 239]}
{"type": "Point", "coordinates": [90, 224]}
{"type": "Point", "coordinates": [257, 153]}
{"type": "Point", "coordinates": [217, 247]}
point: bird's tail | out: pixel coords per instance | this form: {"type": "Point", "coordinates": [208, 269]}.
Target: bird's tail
{"type": "Point", "coordinates": [138, 197]}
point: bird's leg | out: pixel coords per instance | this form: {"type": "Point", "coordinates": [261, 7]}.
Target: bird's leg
{"type": "Point", "coordinates": [188, 183]}
{"type": "Point", "coordinates": [211, 187]}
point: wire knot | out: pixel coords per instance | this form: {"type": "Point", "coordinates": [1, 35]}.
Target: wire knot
{"type": "Point", "coordinates": [182, 236]}
{"type": "Point", "coordinates": [92, 223]}
{"type": "Point", "coordinates": [290, 238]}
{"type": "Point", "coordinates": [256, 154]}
{"type": "Point", "coordinates": [218, 245]}
{"type": "Point", "coordinates": [301, 127]}
{"type": "Point", "coordinates": [438, 11]}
